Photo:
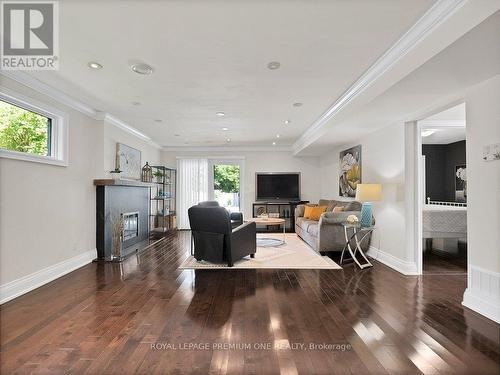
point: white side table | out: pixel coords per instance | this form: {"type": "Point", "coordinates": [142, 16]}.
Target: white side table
{"type": "Point", "coordinates": [357, 230]}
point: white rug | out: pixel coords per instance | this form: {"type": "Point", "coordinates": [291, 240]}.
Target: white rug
{"type": "Point", "coordinates": [294, 254]}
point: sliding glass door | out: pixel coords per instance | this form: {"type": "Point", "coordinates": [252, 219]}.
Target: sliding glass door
{"type": "Point", "coordinates": [192, 182]}
{"type": "Point", "coordinates": [224, 183]}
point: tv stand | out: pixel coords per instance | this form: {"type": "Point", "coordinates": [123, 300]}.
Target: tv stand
{"type": "Point", "coordinates": [285, 209]}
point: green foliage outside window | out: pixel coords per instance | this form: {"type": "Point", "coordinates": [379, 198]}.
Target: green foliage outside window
{"type": "Point", "coordinates": [22, 130]}
{"type": "Point", "coordinates": [227, 178]}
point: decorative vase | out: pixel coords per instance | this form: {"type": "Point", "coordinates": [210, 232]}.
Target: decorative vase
{"type": "Point", "coordinates": [116, 248]}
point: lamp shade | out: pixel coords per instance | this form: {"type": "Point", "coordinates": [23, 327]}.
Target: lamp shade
{"type": "Point", "coordinates": [368, 192]}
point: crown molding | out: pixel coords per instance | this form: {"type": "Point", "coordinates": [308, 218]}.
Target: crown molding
{"type": "Point", "coordinates": [227, 149]}
{"type": "Point", "coordinates": [110, 119]}
{"type": "Point", "coordinates": [431, 19]}
{"type": "Point", "coordinates": [212, 157]}
{"type": "Point", "coordinates": [36, 85]}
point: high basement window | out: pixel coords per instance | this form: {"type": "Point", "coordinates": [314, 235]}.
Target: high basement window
{"type": "Point", "coordinates": [31, 131]}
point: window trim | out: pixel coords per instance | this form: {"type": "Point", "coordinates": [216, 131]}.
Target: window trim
{"type": "Point", "coordinates": [58, 133]}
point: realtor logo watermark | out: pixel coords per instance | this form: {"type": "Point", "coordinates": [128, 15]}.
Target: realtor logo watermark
{"type": "Point", "coordinates": [30, 35]}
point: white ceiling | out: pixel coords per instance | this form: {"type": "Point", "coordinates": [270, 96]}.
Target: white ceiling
{"type": "Point", "coordinates": [444, 136]}
{"type": "Point", "coordinates": [432, 87]}
{"type": "Point", "coordinates": [455, 114]}
{"type": "Point", "coordinates": [211, 56]}
{"type": "Point", "coordinates": [448, 126]}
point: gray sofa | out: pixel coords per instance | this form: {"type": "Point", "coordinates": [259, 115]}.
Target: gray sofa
{"type": "Point", "coordinates": [327, 234]}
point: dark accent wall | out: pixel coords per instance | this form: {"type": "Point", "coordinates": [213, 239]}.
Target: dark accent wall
{"type": "Point", "coordinates": [440, 162]}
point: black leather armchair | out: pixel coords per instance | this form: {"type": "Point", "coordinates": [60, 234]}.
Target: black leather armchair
{"type": "Point", "coordinates": [236, 217]}
{"type": "Point", "coordinates": [215, 239]}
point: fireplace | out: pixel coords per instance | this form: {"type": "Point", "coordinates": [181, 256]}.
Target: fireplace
{"type": "Point", "coordinates": [130, 225]}
{"type": "Point", "coordinates": [131, 200]}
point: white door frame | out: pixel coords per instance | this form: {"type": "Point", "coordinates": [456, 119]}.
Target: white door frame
{"type": "Point", "coordinates": [226, 160]}
{"type": "Point", "coordinates": [420, 204]}
{"type": "Point", "coordinates": [413, 209]}
{"type": "Point", "coordinates": [414, 189]}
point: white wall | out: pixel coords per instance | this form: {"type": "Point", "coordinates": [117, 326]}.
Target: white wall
{"type": "Point", "coordinates": [47, 212]}
{"type": "Point", "coordinates": [263, 161]}
{"type": "Point", "coordinates": [383, 161]}
{"type": "Point", "coordinates": [483, 211]}
{"type": "Point", "coordinates": [483, 200]}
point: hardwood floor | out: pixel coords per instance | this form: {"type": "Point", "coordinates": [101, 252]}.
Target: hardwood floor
{"type": "Point", "coordinates": [126, 319]}
{"type": "Point", "coordinates": [440, 262]}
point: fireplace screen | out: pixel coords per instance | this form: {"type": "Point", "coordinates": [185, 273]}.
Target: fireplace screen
{"type": "Point", "coordinates": [130, 225]}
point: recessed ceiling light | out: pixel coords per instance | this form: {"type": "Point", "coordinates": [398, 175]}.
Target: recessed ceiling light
{"type": "Point", "coordinates": [274, 143]}
{"type": "Point", "coordinates": [228, 140]}
{"type": "Point", "coordinates": [136, 103]}
{"type": "Point", "coordinates": [277, 135]}
{"type": "Point", "coordinates": [298, 104]}
{"type": "Point", "coordinates": [427, 133]}
{"type": "Point", "coordinates": [142, 68]}
{"type": "Point", "coordinates": [158, 120]}
{"type": "Point", "coordinates": [225, 129]}
{"type": "Point", "coordinates": [273, 65]}
{"type": "Point", "coordinates": [94, 65]}
{"type": "Point", "coordinates": [220, 114]}
{"type": "Point", "coordinates": [287, 122]}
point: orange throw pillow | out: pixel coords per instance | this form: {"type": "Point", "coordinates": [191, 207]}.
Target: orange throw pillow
{"type": "Point", "coordinates": [313, 213]}
{"type": "Point", "coordinates": [307, 211]}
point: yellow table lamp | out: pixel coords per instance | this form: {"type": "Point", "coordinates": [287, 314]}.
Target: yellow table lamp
{"type": "Point", "coordinates": [367, 193]}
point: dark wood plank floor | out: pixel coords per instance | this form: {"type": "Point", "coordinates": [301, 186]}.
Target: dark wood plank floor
{"type": "Point", "coordinates": [440, 262]}
{"type": "Point", "coordinates": [140, 317]}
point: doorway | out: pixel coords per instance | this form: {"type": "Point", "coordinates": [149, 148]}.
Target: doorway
{"type": "Point", "coordinates": [443, 186]}
{"type": "Point", "coordinates": [225, 182]}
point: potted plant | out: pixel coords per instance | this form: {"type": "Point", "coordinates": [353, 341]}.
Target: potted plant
{"type": "Point", "coordinates": [159, 175]}
{"type": "Point", "coordinates": [115, 174]}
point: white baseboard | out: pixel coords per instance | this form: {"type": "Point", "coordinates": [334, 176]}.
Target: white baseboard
{"type": "Point", "coordinates": [483, 292]}
{"type": "Point", "coordinates": [27, 283]}
{"type": "Point", "coordinates": [402, 266]}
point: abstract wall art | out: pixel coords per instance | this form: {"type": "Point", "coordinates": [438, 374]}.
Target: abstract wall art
{"type": "Point", "coordinates": [128, 161]}
{"type": "Point", "coordinates": [349, 171]}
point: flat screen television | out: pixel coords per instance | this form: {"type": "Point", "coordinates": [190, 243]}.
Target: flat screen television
{"type": "Point", "coordinates": [277, 186]}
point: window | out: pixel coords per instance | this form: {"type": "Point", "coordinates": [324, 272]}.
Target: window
{"type": "Point", "coordinates": [31, 131]}
{"type": "Point", "coordinates": [24, 131]}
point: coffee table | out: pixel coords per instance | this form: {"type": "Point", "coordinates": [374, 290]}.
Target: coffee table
{"type": "Point", "coordinates": [268, 241]}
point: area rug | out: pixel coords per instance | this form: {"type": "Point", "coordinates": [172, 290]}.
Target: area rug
{"type": "Point", "coordinates": [294, 254]}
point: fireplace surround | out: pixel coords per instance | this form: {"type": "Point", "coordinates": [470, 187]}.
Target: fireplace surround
{"type": "Point", "coordinates": [128, 200]}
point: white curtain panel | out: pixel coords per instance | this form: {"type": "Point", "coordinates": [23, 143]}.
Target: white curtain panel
{"type": "Point", "coordinates": [192, 175]}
